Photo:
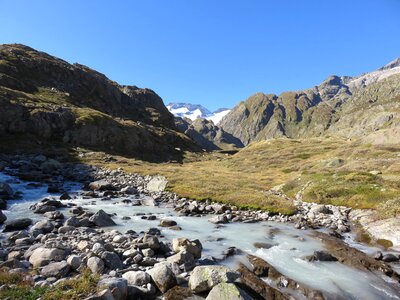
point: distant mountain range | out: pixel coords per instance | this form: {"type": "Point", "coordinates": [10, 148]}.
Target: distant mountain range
{"type": "Point", "coordinates": [194, 111]}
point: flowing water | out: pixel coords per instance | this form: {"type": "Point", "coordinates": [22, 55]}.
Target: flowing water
{"type": "Point", "coordinates": [289, 245]}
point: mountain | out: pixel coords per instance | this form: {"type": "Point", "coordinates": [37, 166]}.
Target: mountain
{"type": "Point", "coordinates": [209, 136]}
{"type": "Point", "coordinates": [344, 106]}
{"type": "Point", "coordinates": [45, 98]}
{"type": "Point", "coordinates": [194, 111]}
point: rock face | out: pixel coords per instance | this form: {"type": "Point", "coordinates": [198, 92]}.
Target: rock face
{"type": "Point", "coordinates": [77, 105]}
{"type": "Point", "coordinates": [342, 106]}
{"type": "Point", "coordinates": [209, 136]}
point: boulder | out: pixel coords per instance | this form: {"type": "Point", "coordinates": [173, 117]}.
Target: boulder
{"type": "Point", "coordinates": [101, 219]}
{"type": "Point", "coordinates": [194, 247]}
{"type": "Point", "coordinates": [152, 241]}
{"type": "Point", "coordinates": [101, 185]}
{"type": "Point", "coordinates": [17, 224]}
{"type": "Point", "coordinates": [157, 184]}
{"type": "Point", "coordinates": [219, 219]}
{"type": "Point", "coordinates": [95, 264]}
{"type": "Point", "coordinates": [41, 209]}
{"type": "Point", "coordinates": [6, 192]}
{"type": "Point", "coordinates": [117, 286]}
{"type": "Point", "coordinates": [148, 201]}
{"type": "Point", "coordinates": [43, 226]}
{"type": "Point", "coordinates": [74, 261]}
{"type": "Point", "coordinates": [163, 277]}
{"type": "Point", "coordinates": [102, 295]}
{"type": "Point", "coordinates": [227, 291]}
{"type": "Point", "coordinates": [321, 256]}
{"type": "Point", "coordinates": [42, 256]}
{"type": "Point", "coordinates": [204, 278]}
{"type": "Point", "coordinates": [137, 277]}
{"type": "Point", "coordinates": [178, 293]}
{"type": "Point", "coordinates": [390, 257]}
{"type": "Point", "coordinates": [56, 269]}
{"type": "Point", "coordinates": [112, 260]}
{"type": "Point", "coordinates": [53, 215]}
{"type": "Point", "coordinates": [167, 223]}
{"type": "Point", "coordinates": [3, 217]}
{"type": "Point", "coordinates": [183, 258]}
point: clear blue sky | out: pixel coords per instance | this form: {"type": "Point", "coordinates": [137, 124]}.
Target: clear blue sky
{"type": "Point", "coordinates": [211, 52]}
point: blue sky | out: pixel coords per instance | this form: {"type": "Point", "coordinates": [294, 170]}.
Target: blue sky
{"type": "Point", "coordinates": [212, 52]}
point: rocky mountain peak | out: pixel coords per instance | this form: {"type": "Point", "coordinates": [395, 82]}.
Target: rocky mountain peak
{"type": "Point", "coordinates": [393, 64]}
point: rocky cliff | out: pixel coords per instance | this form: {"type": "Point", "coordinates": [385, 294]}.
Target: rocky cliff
{"type": "Point", "coordinates": [345, 106]}
{"type": "Point", "coordinates": [48, 98]}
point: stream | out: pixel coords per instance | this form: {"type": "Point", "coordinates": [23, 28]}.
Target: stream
{"type": "Point", "coordinates": [289, 245]}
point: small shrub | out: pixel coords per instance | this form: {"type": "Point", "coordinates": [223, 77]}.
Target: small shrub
{"type": "Point", "coordinates": [385, 243]}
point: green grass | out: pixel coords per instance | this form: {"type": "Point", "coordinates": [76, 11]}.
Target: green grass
{"type": "Point", "coordinates": [18, 287]}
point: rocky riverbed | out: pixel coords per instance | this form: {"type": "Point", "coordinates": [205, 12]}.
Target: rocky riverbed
{"type": "Point", "coordinates": [60, 219]}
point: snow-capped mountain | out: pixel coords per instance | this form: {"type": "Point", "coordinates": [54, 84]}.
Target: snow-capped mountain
{"type": "Point", "coordinates": [194, 111]}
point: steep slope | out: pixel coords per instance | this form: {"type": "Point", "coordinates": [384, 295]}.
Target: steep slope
{"type": "Point", "coordinates": [209, 136]}
{"type": "Point", "coordinates": [340, 105]}
{"type": "Point", "coordinates": [48, 98]}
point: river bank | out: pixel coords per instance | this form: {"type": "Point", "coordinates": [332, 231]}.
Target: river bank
{"type": "Point", "coordinates": [144, 241]}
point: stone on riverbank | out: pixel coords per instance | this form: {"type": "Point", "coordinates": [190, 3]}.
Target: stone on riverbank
{"type": "Point", "coordinates": [227, 291]}
{"type": "Point", "coordinates": [163, 277]}
{"type": "Point", "coordinates": [204, 278]}
{"type": "Point", "coordinates": [17, 224]}
{"type": "Point", "coordinates": [101, 219]}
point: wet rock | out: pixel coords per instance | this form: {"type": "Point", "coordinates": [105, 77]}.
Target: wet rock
{"type": "Point", "coordinates": [17, 224]}
{"type": "Point", "coordinates": [167, 223]}
{"type": "Point", "coordinates": [227, 291]}
{"type": "Point", "coordinates": [321, 256]}
{"type": "Point", "coordinates": [95, 264]}
{"type": "Point", "coordinates": [258, 286]}
{"type": "Point", "coordinates": [6, 192]}
{"type": "Point", "coordinates": [390, 258]}
{"type": "Point", "coordinates": [137, 277]}
{"type": "Point", "coordinates": [261, 245]}
{"type": "Point", "coordinates": [163, 277]}
{"type": "Point", "coordinates": [57, 269]}
{"type": "Point", "coordinates": [42, 256]}
{"type": "Point", "coordinates": [148, 201]}
{"type": "Point", "coordinates": [219, 219]}
{"type": "Point", "coordinates": [378, 255]}
{"type": "Point", "coordinates": [157, 184]}
{"type": "Point", "coordinates": [117, 286]}
{"type": "Point", "coordinates": [3, 217]}
{"type": "Point", "coordinates": [101, 219]}
{"type": "Point", "coordinates": [204, 278]}
{"type": "Point", "coordinates": [65, 196]}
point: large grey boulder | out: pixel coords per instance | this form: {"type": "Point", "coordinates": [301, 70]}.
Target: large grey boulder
{"type": "Point", "coordinates": [204, 278]}
{"type": "Point", "coordinates": [95, 264]}
{"type": "Point", "coordinates": [163, 277]}
{"type": "Point", "coordinates": [56, 269]}
{"type": "Point", "coordinates": [74, 261]}
{"type": "Point", "coordinates": [148, 201]}
{"type": "Point", "coordinates": [42, 256]}
{"type": "Point", "coordinates": [157, 184]}
{"type": "Point", "coordinates": [117, 286]}
{"type": "Point", "coordinates": [43, 226]}
{"type": "Point", "coordinates": [219, 219]}
{"type": "Point", "coordinates": [112, 260]}
{"type": "Point", "coordinates": [227, 291]}
{"type": "Point", "coordinates": [102, 295]}
{"type": "Point", "coordinates": [137, 277]}
{"type": "Point", "coordinates": [17, 224]}
{"type": "Point", "coordinates": [101, 219]}
{"type": "Point", "coordinates": [183, 258]}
